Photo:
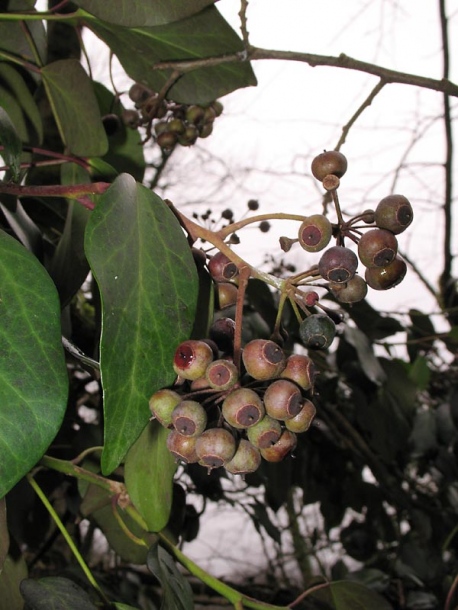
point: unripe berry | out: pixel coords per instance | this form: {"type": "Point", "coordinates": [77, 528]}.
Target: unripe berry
{"type": "Point", "coordinates": [338, 264]}
{"type": "Point", "coordinates": [303, 420]}
{"type": "Point", "coordinates": [282, 399]}
{"type": "Point", "coordinates": [315, 233]}
{"type": "Point", "coordinates": [285, 444]}
{"type": "Point", "coordinates": [383, 278]}
{"type": "Point", "coordinates": [263, 359]}
{"type": "Point", "coordinates": [221, 374]}
{"type": "Point", "coordinates": [189, 418]}
{"type": "Point", "coordinates": [192, 358]}
{"type": "Point", "coordinates": [176, 126]}
{"type": "Point", "coordinates": [162, 403]}
{"type": "Point", "coordinates": [265, 433]}
{"type": "Point", "coordinates": [246, 459]}
{"type": "Point", "coordinates": [217, 107]}
{"type": "Point", "coordinates": [300, 369]}
{"type": "Point", "coordinates": [195, 114]}
{"type": "Point", "coordinates": [221, 268]}
{"type": "Point", "coordinates": [166, 140]}
{"type": "Point", "coordinates": [183, 448]}
{"type": "Point", "coordinates": [394, 213]}
{"type": "Point", "coordinates": [190, 135]}
{"type": "Point", "coordinates": [242, 408]}
{"type": "Point", "coordinates": [352, 291]}
{"type": "Point", "coordinates": [215, 447]}
{"type": "Point", "coordinates": [377, 248]}
{"type": "Point", "coordinates": [138, 93]}
{"type": "Point", "coordinates": [329, 162]}
{"type": "Point", "coordinates": [317, 331]}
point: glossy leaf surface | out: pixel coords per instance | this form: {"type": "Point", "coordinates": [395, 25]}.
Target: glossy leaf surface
{"type": "Point", "coordinates": [75, 107]}
{"type": "Point", "coordinates": [148, 283]}
{"type": "Point", "coordinates": [204, 35]}
{"type": "Point", "coordinates": [33, 376]}
{"type": "Point", "coordinates": [149, 471]}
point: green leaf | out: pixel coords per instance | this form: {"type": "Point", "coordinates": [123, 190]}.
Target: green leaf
{"type": "Point", "coordinates": [148, 284]}
{"type": "Point", "coordinates": [69, 266]}
{"type": "Point", "coordinates": [176, 591]}
{"type": "Point", "coordinates": [148, 472]}
{"type": "Point", "coordinates": [125, 151]}
{"type": "Point", "coordinates": [55, 592]}
{"type": "Point", "coordinates": [33, 375]}
{"type": "Point", "coordinates": [131, 13]}
{"type": "Point", "coordinates": [23, 43]}
{"type": "Point", "coordinates": [11, 141]}
{"type": "Point", "coordinates": [367, 359]}
{"type": "Point", "coordinates": [75, 107]}
{"type": "Point", "coordinates": [204, 35]}
{"type": "Point", "coordinates": [344, 595]}
{"type": "Point", "coordinates": [16, 98]}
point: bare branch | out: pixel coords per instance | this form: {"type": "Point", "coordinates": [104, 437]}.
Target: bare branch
{"type": "Point", "coordinates": [342, 61]}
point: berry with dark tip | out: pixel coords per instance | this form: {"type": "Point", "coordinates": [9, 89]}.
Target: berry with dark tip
{"type": "Point", "coordinates": [221, 374]}
{"type": "Point", "coordinates": [265, 433]}
{"type": "Point", "coordinates": [300, 369]}
{"type": "Point", "coordinates": [226, 293]}
{"type": "Point", "coordinates": [338, 264]}
{"type": "Point", "coordinates": [215, 447]}
{"type": "Point", "coordinates": [394, 213]}
{"type": "Point", "coordinates": [303, 420]}
{"type": "Point", "coordinates": [352, 291]}
{"type": "Point", "coordinates": [317, 331]}
{"type": "Point", "coordinates": [377, 248]}
{"type": "Point", "coordinates": [282, 399]}
{"type": "Point", "coordinates": [221, 268]}
{"type": "Point", "coordinates": [285, 444]}
{"type": "Point", "coordinates": [263, 359]}
{"type": "Point", "coordinates": [243, 408]}
{"type": "Point", "coordinates": [189, 418]}
{"type": "Point", "coordinates": [162, 403]}
{"type": "Point", "coordinates": [183, 448]}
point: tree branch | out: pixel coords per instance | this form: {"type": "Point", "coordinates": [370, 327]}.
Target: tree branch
{"type": "Point", "coordinates": [342, 61]}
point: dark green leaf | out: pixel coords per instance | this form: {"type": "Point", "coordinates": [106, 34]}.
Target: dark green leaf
{"type": "Point", "coordinates": [4, 535]}
{"type": "Point", "coordinates": [69, 266]}
{"type": "Point", "coordinates": [15, 97]}
{"type": "Point", "coordinates": [149, 471]}
{"type": "Point", "coordinates": [23, 226]}
{"type": "Point", "coordinates": [11, 142]}
{"type": "Point", "coordinates": [204, 35]}
{"type": "Point", "coordinates": [148, 284]}
{"type": "Point", "coordinates": [373, 324]}
{"type": "Point", "coordinates": [176, 591]}
{"type": "Point", "coordinates": [57, 593]}
{"type": "Point", "coordinates": [125, 152]}
{"type": "Point", "coordinates": [14, 40]}
{"type": "Point", "coordinates": [120, 606]}
{"type": "Point", "coordinates": [421, 334]}
{"type": "Point", "coordinates": [33, 376]}
{"type": "Point", "coordinates": [261, 517]}
{"type": "Point", "coordinates": [75, 107]}
{"type": "Point", "coordinates": [205, 304]}
{"type": "Point", "coordinates": [420, 373]}
{"type": "Point", "coordinates": [345, 595]}
{"type": "Point", "coordinates": [423, 437]}
{"type": "Point", "coordinates": [367, 359]}
{"type": "Point", "coordinates": [132, 13]}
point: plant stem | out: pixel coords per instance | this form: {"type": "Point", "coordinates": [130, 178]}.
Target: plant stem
{"type": "Point", "coordinates": [67, 537]}
{"type": "Point", "coordinates": [72, 470]}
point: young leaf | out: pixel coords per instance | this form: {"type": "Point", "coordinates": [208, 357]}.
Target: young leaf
{"type": "Point", "coordinates": [75, 107]}
{"type": "Point", "coordinates": [11, 142]}
{"type": "Point", "coordinates": [33, 375]}
{"type": "Point", "coordinates": [176, 591]}
{"type": "Point", "coordinates": [148, 284]}
{"type": "Point", "coordinates": [149, 471]}
{"type": "Point", "coordinates": [136, 13]}
{"type": "Point", "coordinates": [206, 34]}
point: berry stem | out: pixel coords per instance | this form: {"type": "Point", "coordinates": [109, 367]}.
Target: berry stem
{"type": "Point", "coordinates": [235, 226]}
{"type": "Point", "coordinates": [244, 276]}
{"type": "Point", "coordinates": [335, 198]}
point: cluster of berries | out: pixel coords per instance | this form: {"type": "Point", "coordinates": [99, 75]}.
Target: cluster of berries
{"type": "Point", "coordinates": [377, 248]}
{"type": "Point", "coordinates": [173, 123]}
{"type": "Point", "coordinates": [220, 418]}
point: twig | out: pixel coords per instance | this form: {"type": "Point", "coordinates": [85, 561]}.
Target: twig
{"type": "Point", "coordinates": [341, 61]}
{"type": "Point", "coordinates": [243, 23]}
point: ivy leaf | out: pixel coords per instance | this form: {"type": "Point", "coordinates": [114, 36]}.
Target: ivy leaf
{"type": "Point", "coordinates": [148, 472]}
{"type": "Point", "coordinates": [345, 595]}
{"type": "Point", "coordinates": [136, 13]}
{"type": "Point", "coordinates": [206, 34]}
{"type": "Point", "coordinates": [55, 592]}
{"type": "Point", "coordinates": [12, 144]}
{"type": "Point", "coordinates": [33, 375]}
{"type": "Point", "coordinates": [367, 359]}
{"type": "Point", "coordinates": [176, 591]}
{"type": "Point", "coordinates": [75, 107]}
{"type": "Point", "coordinates": [148, 284]}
